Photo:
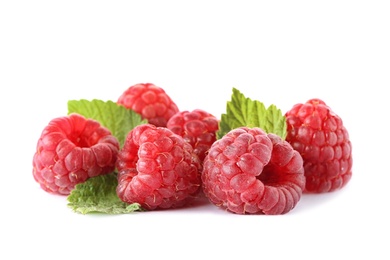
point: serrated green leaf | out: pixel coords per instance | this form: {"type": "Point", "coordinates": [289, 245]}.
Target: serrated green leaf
{"type": "Point", "coordinates": [98, 195]}
{"type": "Point", "coordinates": [118, 119]}
{"type": "Point", "coordinates": [243, 111]}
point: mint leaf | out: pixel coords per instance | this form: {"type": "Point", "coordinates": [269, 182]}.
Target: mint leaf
{"type": "Point", "coordinates": [243, 111]}
{"type": "Point", "coordinates": [98, 194]}
{"type": "Point", "coordinates": [118, 119]}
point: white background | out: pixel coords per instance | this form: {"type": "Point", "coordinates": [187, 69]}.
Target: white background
{"type": "Point", "coordinates": [278, 52]}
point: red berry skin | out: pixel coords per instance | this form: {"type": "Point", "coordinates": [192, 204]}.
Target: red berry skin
{"type": "Point", "coordinates": [250, 172]}
{"type": "Point", "coordinates": [70, 150]}
{"type": "Point", "coordinates": [319, 135]}
{"type": "Point", "coordinates": [157, 169]}
{"type": "Point", "coordinates": [197, 127]}
{"type": "Point", "coordinates": [150, 101]}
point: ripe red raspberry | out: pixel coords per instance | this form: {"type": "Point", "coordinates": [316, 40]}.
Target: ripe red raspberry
{"type": "Point", "coordinates": [197, 127]}
{"type": "Point", "coordinates": [150, 101]}
{"type": "Point", "coordinates": [250, 172]}
{"type": "Point", "coordinates": [157, 169]}
{"type": "Point", "coordinates": [319, 135]}
{"type": "Point", "coordinates": [70, 150]}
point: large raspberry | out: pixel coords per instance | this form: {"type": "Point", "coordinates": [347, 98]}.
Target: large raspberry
{"type": "Point", "coordinates": [250, 172]}
{"type": "Point", "coordinates": [157, 169]}
{"type": "Point", "coordinates": [150, 101]}
{"type": "Point", "coordinates": [319, 135]}
{"type": "Point", "coordinates": [197, 127]}
{"type": "Point", "coordinates": [70, 150]}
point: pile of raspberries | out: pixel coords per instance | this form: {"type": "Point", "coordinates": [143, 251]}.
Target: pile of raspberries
{"type": "Point", "coordinates": [176, 158]}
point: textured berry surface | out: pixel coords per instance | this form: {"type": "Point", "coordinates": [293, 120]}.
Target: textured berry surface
{"type": "Point", "coordinates": [157, 169]}
{"type": "Point", "coordinates": [250, 172]}
{"type": "Point", "coordinates": [319, 135]}
{"type": "Point", "coordinates": [197, 127]}
{"type": "Point", "coordinates": [70, 150]}
{"type": "Point", "coordinates": [150, 101]}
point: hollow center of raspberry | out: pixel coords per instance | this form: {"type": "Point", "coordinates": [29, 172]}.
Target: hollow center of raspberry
{"type": "Point", "coordinates": [80, 141]}
{"type": "Point", "coordinates": [270, 176]}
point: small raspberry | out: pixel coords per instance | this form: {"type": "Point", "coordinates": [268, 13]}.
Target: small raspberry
{"type": "Point", "coordinates": [157, 169]}
{"type": "Point", "coordinates": [70, 150]}
{"type": "Point", "coordinates": [318, 134]}
{"type": "Point", "coordinates": [250, 172]}
{"type": "Point", "coordinates": [197, 127]}
{"type": "Point", "coordinates": [150, 101]}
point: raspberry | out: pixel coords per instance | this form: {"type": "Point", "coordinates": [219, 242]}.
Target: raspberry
{"type": "Point", "coordinates": [150, 101]}
{"type": "Point", "coordinates": [250, 172]}
{"type": "Point", "coordinates": [70, 150]}
{"type": "Point", "coordinates": [319, 135]}
{"type": "Point", "coordinates": [197, 127]}
{"type": "Point", "coordinates": [157, 169]}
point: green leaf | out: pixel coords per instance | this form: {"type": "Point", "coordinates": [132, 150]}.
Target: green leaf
{"type": "Point", "coordinates": [118, 119]}
{"type": "Point", "coordinates": [243, 111]}
{"type": "Point", "coordinates": [98, 194]}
